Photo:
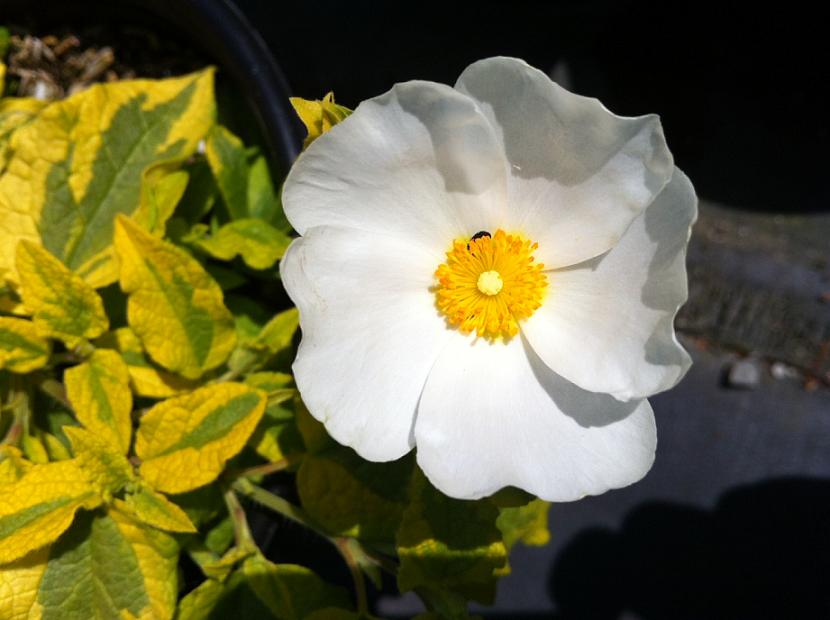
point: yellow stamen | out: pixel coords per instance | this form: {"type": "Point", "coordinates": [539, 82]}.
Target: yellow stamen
{"type": "Point", "coordinates": [489, 284]}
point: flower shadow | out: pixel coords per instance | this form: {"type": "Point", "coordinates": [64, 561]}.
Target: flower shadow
{"type": "Point", "coordinates": [763, 552]}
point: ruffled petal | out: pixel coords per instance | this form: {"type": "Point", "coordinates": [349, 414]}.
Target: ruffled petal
{"type": "Point", "coordinates": [608, 324]}
{"type": "Point", "coordinates": [579, 174]}
{"type": "Point", "coordinates": [493, 415]}
{"type": "Point", "coordinates": [419, 162]}
{"type": "Point", "coordinates": [370, 333]}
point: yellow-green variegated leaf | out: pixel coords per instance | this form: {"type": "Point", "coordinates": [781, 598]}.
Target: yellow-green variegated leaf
{"type": "Point", "coordinates": [449, 544]}
{"type": "Point", "coordinates": [184, 442]}
{"type": "Point", "coordinates": [106, 468]}
{"type": "Point", "coordinates": [349, 496]}
{"type": "Point", "coordinates": [99, 392]}
{"type": "Point", "coordinates": [258, 243]}
{"type": "Point", "coordinates": [81, 161]}
{"type": "Point", "coordinates": [226, 156]}
{"type": "Point", "coordinates": [145, 378]}
{"type": "Point", "coordinates": [175, 308]}
{"type": "Point", "coordinates": [12, 465]}
{"type": "Point", "coordinates": [22, 348]}
{"type": "Point", "coordinates": [15, 112]}
{"type": "Point", "coordinates": [156, 510]}
{"type": "Point", "coordinates": [19, 582]}
{"type": "Point", "coordinates": [318, 116]}
{"type": "Point", "coordinates": [62, 304]}
{"type": "Point", "coordinates": [107, 565]}
{"type": "Point", "coordinates": [265, 591]}
{"type": "Point", "coordinates": [38, 507]}
{"type": "Point", "coordinates": [527, 524]}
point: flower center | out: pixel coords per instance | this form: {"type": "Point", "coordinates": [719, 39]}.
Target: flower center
{"type": "Point", "coordinates": [490, 283]}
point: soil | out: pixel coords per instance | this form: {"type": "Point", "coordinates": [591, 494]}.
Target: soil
{"type": "Point", "coordinates": [59, 63]}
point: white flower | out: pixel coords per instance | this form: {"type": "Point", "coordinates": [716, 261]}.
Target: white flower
{"type": "Point", "coordinates": [519, 357]}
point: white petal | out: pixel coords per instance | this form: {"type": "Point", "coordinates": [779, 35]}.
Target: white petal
{"type": "Point", "coordinates": [493, 415]}
{"type": "Point", "coordinates": [419, 162]}
{"type": "Point", "coordinates": [607, 324]}
{"type": "Point", "coordinates": [370, 333]}
{"type": "Point", "coordinates": [579, 174]}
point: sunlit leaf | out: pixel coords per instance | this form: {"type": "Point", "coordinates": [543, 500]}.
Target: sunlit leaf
{"type": "Point", "coordinates": [22, 349]}
{"type": "Point", "coordinates": [258, 243]}
{"type": "Point", "coordinates": [106, 468]}
{"type": "Point", "coordinates": [185, 441]}
{"type": "Point", "coordinates": [156, 510]}
{"type": "Point", "coordinates": [318, 116]}
{"type": "Point", "coordinates": [174, 306]}
{"type": "Point", "coordinates": [81, 161]}
{"type": "Point", "coordinates": [99, 392]}
{"type": "Point", "coordinates": [38, 507]}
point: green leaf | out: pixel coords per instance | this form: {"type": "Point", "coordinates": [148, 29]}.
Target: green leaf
{"type": "Point", "coordinates": [318, 116]}
{"type": "Point", "coordinates": [63, 305]}
{"type": "Point", "coordinates": [349, 496]}
{"type": "Point", "coordinates": [200, 194]}
{"type": "Point", "coordinates": [109, 566]}
{"type": "Point", "coordinates": [527, 524]}
{"type": "Point", "coordinates": [275, 337]}
{"type": "Point", "coordinates": [258, 243]}
{"type": "Point", "coordinates": [146, 379]}
{"type": "Point", "coordinates": [22, 349]}
{"type": "Point", "coordinates": [261, 590]}
{"type": "Point", "coordinates": [263, 201]}
{"type": "Point", "coordinates": [40, 506]}
{"type": "Point", "coordinates": [277, 436]}
{"type": "Point", "coordinates": [15, 112]}
{"type": "Point", "coordinates": [449, 544]}
{"type": "Point", "coordinates": [99, 392]}
{"type": "Point", "coordinates": [226, 155]}
{"type": "Point", "coordinates": [174, 306]}
{"type": "Point", "coordinates": [104, 465]}
{"type": "Point", "coordinates": [162, 188]}
{"type": "Point", "coordinates": [157, 511]}
{"type": "Point", "coordinates": [184, 442]}
{"type": "Point", "coordinates": [82, 160]}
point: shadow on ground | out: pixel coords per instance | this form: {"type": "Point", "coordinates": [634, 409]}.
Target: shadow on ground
{"type": "Point", "coordinates": [764, 552]}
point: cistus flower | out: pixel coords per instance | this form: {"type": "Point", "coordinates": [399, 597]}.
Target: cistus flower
{"type": "Point", "coordinates": [490, 273]}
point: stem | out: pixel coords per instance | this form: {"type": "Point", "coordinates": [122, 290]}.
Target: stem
{"type": "Point", "coordinates": [344, 546]}
{"type": "Point", "coordinates": [19, 405]}
{"type": "Point", "coordinates": [275, 503]}
{"type": "Point", "coordinates": [55, 389]}
{"type": "Point", "coordinates": [241, 531]}
{"type": "Point", "coordinates": [385, 563]}
{"type": "Point", "coordinates": [268, 468]}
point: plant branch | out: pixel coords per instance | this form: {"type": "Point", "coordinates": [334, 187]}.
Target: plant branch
{"type": "Point", "coordinates": [275, 503]}
{"type": "Point", "coordinates": [267, 468]}
{"type": "Point", "coordinates": [345, 547]}
{"type": "Point", "coordinates": [241, 531]}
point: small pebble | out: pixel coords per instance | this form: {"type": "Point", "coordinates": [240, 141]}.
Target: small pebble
{"type": "Point", "coordinates": [781, 371]}
{"type": "Point", "coordinates": [744, 374]}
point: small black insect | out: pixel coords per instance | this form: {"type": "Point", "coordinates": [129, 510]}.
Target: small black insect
{"type": "Point", "coordinates": [478, 235]}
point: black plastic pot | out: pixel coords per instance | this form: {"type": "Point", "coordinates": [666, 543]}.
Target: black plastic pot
{"type": "Point", "coordinates": [216, 31]}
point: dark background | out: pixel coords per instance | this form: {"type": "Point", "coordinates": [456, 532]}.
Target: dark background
{"type": "Point", "coordinates": [737, 86]}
